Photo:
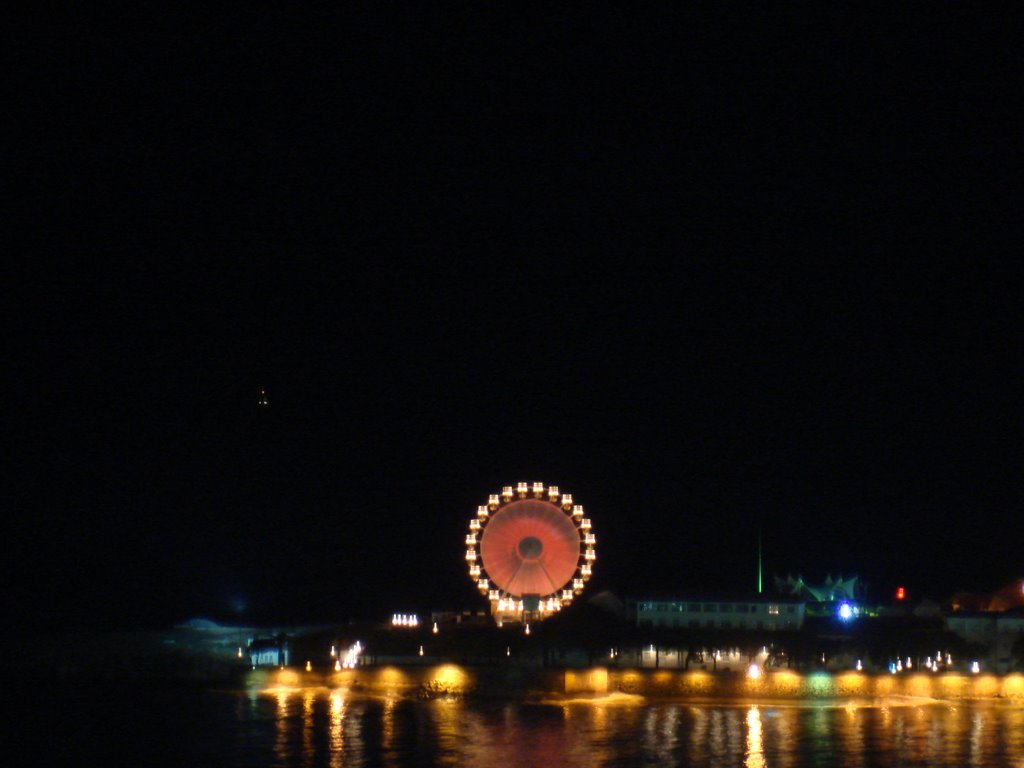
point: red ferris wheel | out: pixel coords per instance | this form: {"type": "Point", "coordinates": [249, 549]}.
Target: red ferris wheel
{"type": "Point", "coordinates": [530, 550]}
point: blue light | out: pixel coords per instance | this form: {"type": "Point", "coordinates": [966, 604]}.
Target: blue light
{"type": "Point", "coordinates": [845, 611]}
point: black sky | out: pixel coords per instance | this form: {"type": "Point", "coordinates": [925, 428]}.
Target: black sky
{"type": "Point", "coordinates": [706, 269]}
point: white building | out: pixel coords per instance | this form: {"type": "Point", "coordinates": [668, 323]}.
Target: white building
{"type": "Point", "coordinates": [753, 614]}
{"type": "Point", "coordinates": [269, 652]}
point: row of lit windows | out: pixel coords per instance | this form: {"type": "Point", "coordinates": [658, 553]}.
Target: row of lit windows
{"type": "Point", "coordinates": [723, 624]}
{"type": "Point", "coordinates": [984, 625]}
{"type": "Point", "coordinates": [773, 608]}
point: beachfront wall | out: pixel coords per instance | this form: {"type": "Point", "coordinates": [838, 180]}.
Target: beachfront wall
{"type": "Point", "coordinates": [454, 680]}
{"type": "Point", "coordinates": [815, 685]}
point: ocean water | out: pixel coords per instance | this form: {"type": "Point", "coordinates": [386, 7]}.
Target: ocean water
{"type": "Point", "coordinates": [322, 727]}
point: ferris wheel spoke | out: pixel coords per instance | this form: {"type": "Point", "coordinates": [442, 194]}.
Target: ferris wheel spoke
{"type": "Point", "coordinates": [515, 573]}
{"type": "Point", "coordinates": [554, 586]}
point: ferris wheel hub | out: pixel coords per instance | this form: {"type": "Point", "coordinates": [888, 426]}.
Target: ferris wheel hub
{"type": "Point", "coordinates": [530, 547]}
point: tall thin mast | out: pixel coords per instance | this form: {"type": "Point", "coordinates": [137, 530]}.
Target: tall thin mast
{"type": "Point", "coordinates": [760, 583]}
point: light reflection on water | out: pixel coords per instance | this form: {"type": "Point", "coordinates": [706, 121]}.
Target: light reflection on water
{"type": "Point", "coordinates": [454, 732]}
{"type": "Point", "coordinates": [323, 727]}
{"type": "Point", "coordinates": [755, 744]}
{"type": "Point", "coordinates": [335, 735]}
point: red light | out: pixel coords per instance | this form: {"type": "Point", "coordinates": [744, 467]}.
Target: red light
{"type": "Point", "coordinates": [900, 593]}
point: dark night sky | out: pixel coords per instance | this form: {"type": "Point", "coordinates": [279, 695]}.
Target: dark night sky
{"type": "Point", "coordinates": [701, 268]}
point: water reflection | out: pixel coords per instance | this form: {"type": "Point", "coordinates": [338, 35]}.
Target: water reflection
{"type": "Point", "coordinates": [320, 727]}
{"type": "Point", "coordinates": [281, 750]}
{"type": "Point", "coordinates": [447, 719]}
{"type": "Point", "coordinates": [335, 729]}
{"type": "Point", "coordinates": [716, 736]}
{"type": "Point", "coordinates": [698, 717]}
{"type": "Point", "coordinates": [850, 727]}
{"type": "Point", "coordinates": [755, 742]}
{"type": "Point", "coordinates": [781, 736]}
{"type": "Point", "coordinates": [977, 733]}
{"type": "Point", "coordinates": [308, 750]}
{"type": "Point", "coordinates": [388, 730]}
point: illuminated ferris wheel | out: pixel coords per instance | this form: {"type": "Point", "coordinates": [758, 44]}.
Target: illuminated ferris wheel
{"type": "Point", "coordinates": [530, 550]}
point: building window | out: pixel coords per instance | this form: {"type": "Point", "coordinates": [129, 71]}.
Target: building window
{"type": "Point", "coordinates": [694, 607]}
{"type": "Point", "coordinates": [741, 608]}
{"type": "Point", "coordinates": [773, 609]}
{"type": "Point", "coordinates": [710, 608]}
{"type": "Point", "coordinates": [725, 608]}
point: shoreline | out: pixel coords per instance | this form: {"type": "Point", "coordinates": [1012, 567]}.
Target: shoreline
{"type": "Point", "coordinates": [446, 680]}
{"type": "Point", "coordinates": [599, 686]}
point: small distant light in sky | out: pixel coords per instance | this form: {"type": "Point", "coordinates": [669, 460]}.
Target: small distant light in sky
{"type": "Point", "coordinates": [264, 399]}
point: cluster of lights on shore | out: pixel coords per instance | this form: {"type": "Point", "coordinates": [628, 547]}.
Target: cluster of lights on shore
{"type": "Point", "coordinates": [938, 663]}
{"type": "Point", "coordinates": [348, 659]}
{"type": "Point", "coordinates": [941, 661]}
{"type": "Point", "coordinates": [508, 605]}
